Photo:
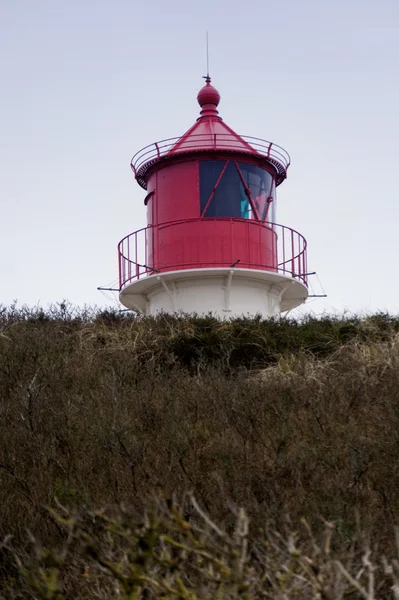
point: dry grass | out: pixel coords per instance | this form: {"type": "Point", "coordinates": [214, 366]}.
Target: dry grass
{"type": "Point", "coordinates": [280, 417]}
{"type": "Point", "coordinates": [177, 552]}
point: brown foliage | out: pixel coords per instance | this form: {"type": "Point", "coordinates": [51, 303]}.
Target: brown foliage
{"type": "Point", "coordinates": [278, 417]}
{"type": "Point", "coordinates": [177, 552]}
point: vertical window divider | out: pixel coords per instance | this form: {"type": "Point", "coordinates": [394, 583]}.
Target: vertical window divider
{"type": "Point", "coordinates": [214, 189]}
{"type": "Point", "coordinates": [269, 200]}
{"type": "Point", "coordinates": [247, 191]}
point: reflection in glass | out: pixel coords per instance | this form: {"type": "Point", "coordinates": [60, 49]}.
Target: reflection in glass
{"type": "Point", "coordinates": [223, 193]}
{"type": "Point", "coordinates": [259, 183]}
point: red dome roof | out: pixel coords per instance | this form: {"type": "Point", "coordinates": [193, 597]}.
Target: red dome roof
{"type": "Point", "coordinates": [209, 134]}
{"type": "Point", "coordinates": [208, 94]}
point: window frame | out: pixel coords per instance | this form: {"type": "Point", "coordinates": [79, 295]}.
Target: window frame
{"type": "Point", "coordinates": [257, 216]}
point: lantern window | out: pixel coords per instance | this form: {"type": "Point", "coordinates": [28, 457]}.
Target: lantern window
{"type": "Point", "coordinates": [234, 189]}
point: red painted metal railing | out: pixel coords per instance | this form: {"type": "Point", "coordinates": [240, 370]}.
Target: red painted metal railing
{"type": "Point", "coordinates": [147, 251]}
{"type": "Point", "coordinates": [225, 142]}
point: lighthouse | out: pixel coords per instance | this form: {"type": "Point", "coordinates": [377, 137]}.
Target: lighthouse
{"type": "Point", "coordinates": [212, 244]}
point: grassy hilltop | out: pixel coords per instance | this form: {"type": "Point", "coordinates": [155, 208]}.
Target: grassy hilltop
{"type": "Point", "coordinates": [180, 457]}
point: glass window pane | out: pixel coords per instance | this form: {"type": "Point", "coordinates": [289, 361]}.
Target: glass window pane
{"type": "Point", "coordinates": [259, 182]}
{"type": "Point", "coordinates": [229, 195]}
{"type": "Point", "coordinates": [229, 199]}
{"type": "Point", "coordinates": [273, 211]}
{"type": "Point", "coordinates": [209, 174]}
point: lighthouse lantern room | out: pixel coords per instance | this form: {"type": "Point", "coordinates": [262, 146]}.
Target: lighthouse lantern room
{"type": "Point", "coordinates": [212, 244]}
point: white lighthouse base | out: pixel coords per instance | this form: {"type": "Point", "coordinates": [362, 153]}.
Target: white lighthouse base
{"type": "Point", "coordinates": [226, 293]}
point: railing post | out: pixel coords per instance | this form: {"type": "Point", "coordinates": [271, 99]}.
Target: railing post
{"type": "Point", "coordinates": [135, 257]}
{"type": "Point", "coordinates": [306, 265]}
{"type": "Point", "coordinates": [250, 228]}
{"type": "Point", "coordinates": [170, 245]}
{"type": "Point", "coordinates": [129, 264]}
{"type": "Point", "coordinates": [231, 239]}
{"type": "Point", "coordinates": [199, 243]}
{"type": "Point", "coordinates": [119, 267]}
{"type": "Point", "coordinates": [146, 247]}
{"type": "Point", "coordinates": [292, 254]}
{"type": "Point", "coordinates": [283, 232]}
{"type": "Point", "coordinates": [155, 249]}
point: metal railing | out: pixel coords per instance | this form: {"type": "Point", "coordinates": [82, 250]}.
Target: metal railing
{"type": "Point", "coordinates": [139, 252]}
{"type": "Point", "coordinates": [149, 155]}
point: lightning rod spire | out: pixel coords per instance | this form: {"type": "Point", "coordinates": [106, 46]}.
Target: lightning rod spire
{"type": "Point", "coordinates": [207, 57]}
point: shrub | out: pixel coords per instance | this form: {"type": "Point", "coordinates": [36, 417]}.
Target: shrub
{"type": "Point", "coordinates": [280, 417]}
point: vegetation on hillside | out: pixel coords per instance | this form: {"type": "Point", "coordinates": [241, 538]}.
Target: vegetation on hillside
{"type": "Point", "coordinates": [186, 423]}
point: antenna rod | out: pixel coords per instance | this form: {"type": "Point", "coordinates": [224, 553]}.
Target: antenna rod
{"type": "Point", "coordinates": [207, 55]}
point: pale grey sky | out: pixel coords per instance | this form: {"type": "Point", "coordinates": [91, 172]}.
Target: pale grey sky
{"type": "Point", "coordinates": [87, 83]}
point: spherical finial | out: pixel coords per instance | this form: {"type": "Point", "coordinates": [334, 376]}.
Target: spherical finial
{"type": "Point", "coordinates": [208, 94]}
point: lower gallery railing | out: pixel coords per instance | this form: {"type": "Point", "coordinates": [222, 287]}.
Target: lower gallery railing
{"type": "Point", "coordinates": [211, 243]}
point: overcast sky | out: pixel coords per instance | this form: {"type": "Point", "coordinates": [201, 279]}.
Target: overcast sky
{"type": "Point", "coordinates": [87, 83]}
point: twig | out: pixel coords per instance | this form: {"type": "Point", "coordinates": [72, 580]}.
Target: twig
{"type": "Point", "coordinates": [206, 518]}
